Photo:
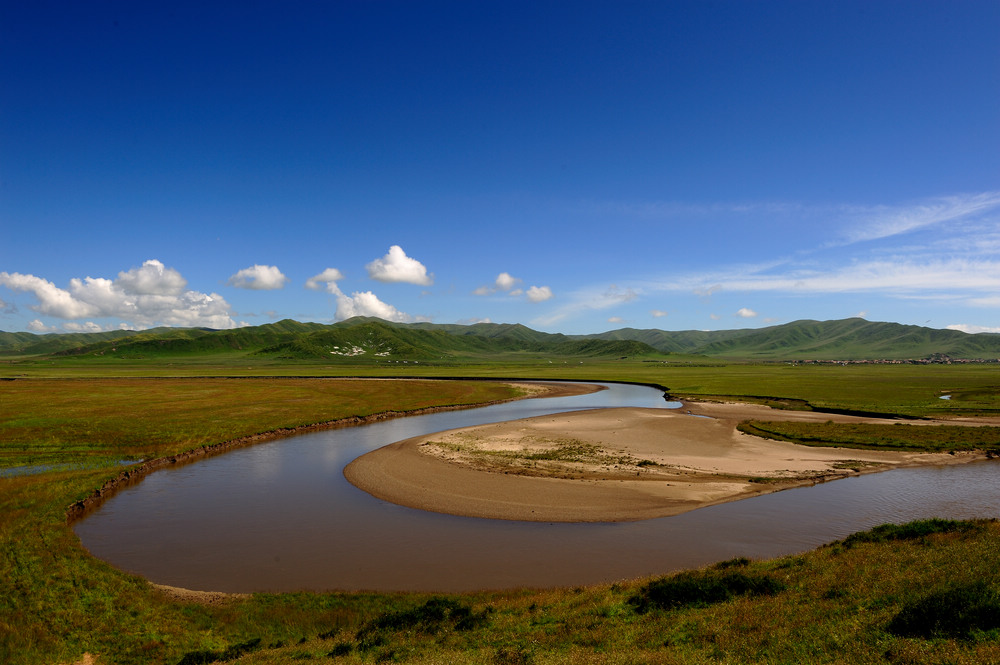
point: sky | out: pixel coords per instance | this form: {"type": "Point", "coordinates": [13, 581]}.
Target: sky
{"type": "Point", "coordinates": [575, 167]}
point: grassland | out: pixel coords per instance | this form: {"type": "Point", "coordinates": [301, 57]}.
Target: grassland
{"type": "Point", "coordinates": [838, 604]}
{"type": "Point", "coordinates": [898, 436]}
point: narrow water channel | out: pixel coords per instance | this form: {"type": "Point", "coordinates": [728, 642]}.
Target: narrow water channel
{"type": "Point", "coordinates": [280, 516]}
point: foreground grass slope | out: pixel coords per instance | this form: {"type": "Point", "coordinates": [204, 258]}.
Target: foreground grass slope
{"type": "Point", "coordinates": [838, 604]}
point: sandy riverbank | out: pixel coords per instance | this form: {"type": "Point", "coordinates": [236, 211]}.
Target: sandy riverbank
{"type": "Point", "coordinates": [610, 464]}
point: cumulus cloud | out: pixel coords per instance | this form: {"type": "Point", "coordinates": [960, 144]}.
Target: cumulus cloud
{"type": "Point", "coordinates": [972, 329]}
{"type": "Point", "coordinates": [259, 278]}
{"type": "Point", "coordinates": [37, 326]}
{"type": "Point", "coordinates": [616, 319]}
{"type": "Point", "coordinates": [746, 313]}
{"type": "Point", "coordinates": [152, 279]}
{"type": "Point", "coordinates": [539, 293]}
{"type": "Point", "coordinates": [52, 301]}
{"type": "Point", "coordinates": [396, 266]}
{"type": "Point", "coordinates": [88, 326]}
{"type": "Point", "coordinates": [658, 313]}
{"type": "Point", "coordinates": [359, 303]}
{"type": "Point", "coordinates": [142, 296]}
{"type": "Point", "coordinates": [327, 279]}
{"type": "Point", "coordinates": [504, 282]}
{"type": "Point", "coordinates": [366, 303]}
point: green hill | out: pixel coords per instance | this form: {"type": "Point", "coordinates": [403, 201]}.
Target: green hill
{"type": "Point", "coordinates": [366, 338]}
{"type": "Point", "coordinates": [853, 339]}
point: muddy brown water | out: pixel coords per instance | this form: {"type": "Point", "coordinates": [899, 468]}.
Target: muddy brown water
{"type": "Point", "coordinates": [280, 516]}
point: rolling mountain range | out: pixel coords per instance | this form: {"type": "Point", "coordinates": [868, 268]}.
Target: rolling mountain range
{"type": "Point", "coordinates": [363, 338]}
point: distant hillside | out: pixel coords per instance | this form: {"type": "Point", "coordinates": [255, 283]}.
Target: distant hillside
{"type": "Point", "coordinates": [845, 339]}
{"type": "Point", "coordinates": [358, 338]}
{"type": "Point", "coordinates": [373, 339]}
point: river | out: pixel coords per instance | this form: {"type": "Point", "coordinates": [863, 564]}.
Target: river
{"type": "Point", "coordinates": [279, 516]}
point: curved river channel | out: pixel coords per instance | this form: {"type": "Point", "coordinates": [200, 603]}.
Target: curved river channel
{"type": "Point", "coordinates": [280, 516]}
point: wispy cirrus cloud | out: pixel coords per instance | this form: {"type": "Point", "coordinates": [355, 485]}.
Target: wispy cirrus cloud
{"type": "Point", "coordinates": [874, 223]}
{"type": "Point", "coordinates": [903, 277]}
{"type": "Point", "coordinates": [591, 299]}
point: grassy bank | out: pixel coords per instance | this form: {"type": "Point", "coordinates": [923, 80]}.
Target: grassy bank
{"type": "Point", "coordinates": [898, 436]}
{"type": "Point", "coordinates": [837, 604]}
{"type": "Point", "coordinates": [912, 390]}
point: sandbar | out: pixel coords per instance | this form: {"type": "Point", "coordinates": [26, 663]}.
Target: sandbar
{"type": "Point", "coordinates": [607, 465]}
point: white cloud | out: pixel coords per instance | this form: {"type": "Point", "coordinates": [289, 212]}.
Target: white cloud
{"type": "Point", "coordinates": [885, 221]}
{"type": "Point", "coordinates": [505, 282]}
{"type": "Point", "coordinates": [326, 279]}
{"type": "Point", "coordinates": [367, 303]}
{"type": "Point", "coordinates": [259, 278]}
{"type": "Point", "coordinates": [89, 327]}
{"type": "Point", "coordinates": [903, 277]}
{"type": "Point", "coordinates": [987, 301]}
{"type": "Point", "coordinates": [746, 313]}
{"type": "Point", "coordinates": [153, 278]}
{"type": "Point", "coordinates": [973, 329]}
{"type": "Point", "coordinates": [582, 300]}
{"type": "Point", "coordinates": [37, 326]}
{"type": "Point", "coordinates": [53, 301]}
{"type": "Point", "coordinates": [359, 303]}
{"type": "Point", "coordinates": [616, 295]}
{"type": "Point", "coordinates": [396, 266]}
{"type": "Point", "coordinates": [657, 312]}
{"type": "Point", "coordinates": [616, 319]}
{"type": "Point", "coordinates": [539, 293]}
{"type": "Point", "coordinates": [97, 297]}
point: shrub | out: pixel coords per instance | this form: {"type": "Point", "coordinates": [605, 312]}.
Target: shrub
{"type": "Point", "coordinates": [915, 530]}
{"type": "Point", "coordinates": [958, 612]}
{"type": "Point", "coordinates": [701, 588]}
{"type": "Point", "coordinates": [432, 617]}
{"type": "Point", "coordinates": [232, 653]}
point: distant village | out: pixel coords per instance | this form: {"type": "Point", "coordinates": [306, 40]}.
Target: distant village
{"type": "Point", "coordinates": [933, 359]}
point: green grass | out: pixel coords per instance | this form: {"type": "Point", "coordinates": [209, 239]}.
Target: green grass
{"type": "Point", "coordinates": [910, 390]}
{"type": "Point", "coordinates": [898, 436]}
{"type": "Point", "coordinates": [838, 604]}
{"type": "Point", "coordinates": [95, 421]}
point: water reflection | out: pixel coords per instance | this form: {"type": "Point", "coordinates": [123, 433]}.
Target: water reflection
{"type": "Point", "coordinates": [280, 516]}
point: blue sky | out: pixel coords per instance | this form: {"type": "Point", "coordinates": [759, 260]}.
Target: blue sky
{"type": "Point", "coordinates": [572, 166]}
